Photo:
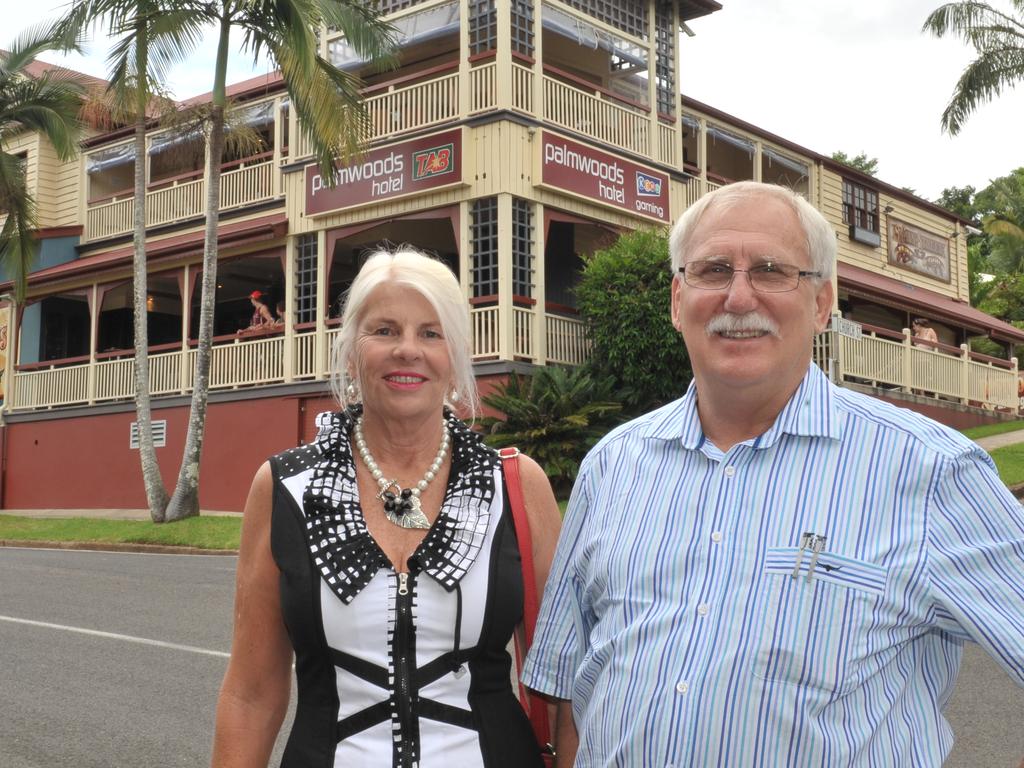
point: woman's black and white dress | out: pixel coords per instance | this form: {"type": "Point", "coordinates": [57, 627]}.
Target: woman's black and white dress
{"type": "Point", "coordinates": [394, 669]}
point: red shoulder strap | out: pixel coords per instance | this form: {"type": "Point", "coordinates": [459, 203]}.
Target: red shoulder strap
{"type": "Point", "coordinates": [538, 710]}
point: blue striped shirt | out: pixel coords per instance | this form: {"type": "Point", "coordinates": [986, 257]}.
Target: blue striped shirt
{"type": "Point", "coordinates": [673, 620]}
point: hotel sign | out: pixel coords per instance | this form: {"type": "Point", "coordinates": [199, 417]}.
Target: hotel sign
{"type": "Point", "coordinates": [917, 250]}
{"type": "Point", "coordinates": [581, 170]}
{"type": "Point", "coordinates": [401, 169]}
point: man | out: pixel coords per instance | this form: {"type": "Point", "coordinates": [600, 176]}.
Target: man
{"type": "Point", "coordinates": [772, 570]}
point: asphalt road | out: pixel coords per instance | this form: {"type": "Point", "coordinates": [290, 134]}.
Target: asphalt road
{"type": "Point", "coordinates": [139, 686]}
{"type": "Point", "coordinates": [105, 701]}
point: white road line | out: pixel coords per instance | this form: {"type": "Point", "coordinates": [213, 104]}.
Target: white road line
{"type": "Point", "coordinates": [115, 636]}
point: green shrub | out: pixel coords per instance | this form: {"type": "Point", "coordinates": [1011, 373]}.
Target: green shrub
{"type": "Point", "coordinates": [625, 298]}
{"type": "Point", "coordinates": [554, 416]}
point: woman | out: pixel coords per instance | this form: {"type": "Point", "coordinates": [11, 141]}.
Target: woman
{"type": "Point", "coordinates": [385, 553]}
{"type": "Point", "coordinates": [260, 312]}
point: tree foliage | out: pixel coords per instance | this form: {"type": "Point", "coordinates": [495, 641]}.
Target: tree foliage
{"type": "Point", "coordinates": [624, 296]}
{"type": "Point", "coordinates": [998, 40]}
{"type": "Point", "coordinates": [47, 103]}
{"type": "Point", "coordinates": [860, 162]}
{"type": "Point", "coordinates": [554, 416]}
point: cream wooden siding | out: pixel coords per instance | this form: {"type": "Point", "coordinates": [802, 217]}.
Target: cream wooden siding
{"type": "Point", "coordinates": [58, 188]}
{"type": "Point", "coordinates": [876, 259]}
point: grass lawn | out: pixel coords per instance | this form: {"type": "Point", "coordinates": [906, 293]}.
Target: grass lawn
{"type": "Point", "coordinates": [203, 532]}
{"type": "Point", "coordinates": [1010, 461]}
{"type": "Point", "coordinates": [998, 428]}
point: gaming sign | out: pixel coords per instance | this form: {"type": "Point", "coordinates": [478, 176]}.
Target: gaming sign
{"type": "Point", "coordinates": [584, 171]}
{"type": "Point", "coordinates": [381, 174]}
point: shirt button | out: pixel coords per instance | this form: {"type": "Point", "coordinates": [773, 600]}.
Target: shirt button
{"type": "Point", "coordinates": [682, 686]}
{"type": "Point", "coordinates": [730, 471]}
{"type": "Point", "coordinates": [716, 536]}
{"type": "Point", "coordinates": [702, 609]}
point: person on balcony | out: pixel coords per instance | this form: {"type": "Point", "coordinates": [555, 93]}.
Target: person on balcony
{"type": "Point", "coordinates": [382, 556]}
{"type": "Point", "coordinates": [922, 330]}
{"type": "Point", "coordinates": [773, 570]}
{"type": "Point", "coordinates": [261, 316]}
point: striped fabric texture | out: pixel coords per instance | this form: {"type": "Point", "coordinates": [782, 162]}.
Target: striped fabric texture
{"type": "Point", "coordinates": [690, 628]}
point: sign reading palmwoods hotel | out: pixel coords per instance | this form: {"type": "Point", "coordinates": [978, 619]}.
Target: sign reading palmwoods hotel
{"type": "Point", "coordinates": [915, 249]}
{"type": "Point", "coordinates": [395, 171]}
{"type": "Point", "coordinates": [587, 172]}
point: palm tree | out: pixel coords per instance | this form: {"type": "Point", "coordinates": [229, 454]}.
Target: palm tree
{"type": "Point", "coordinates": [997, 38]}
{"type": "Point", "coordinates": [326, 100]}
{"type": "Point", "coordinates": [47, 103]}
{"type": "Point", "coordinates": [150, 37]}
{"type": "Point", "coordinates": [555, 415]}
{"type": "Point", "coordinates": [158, 33]}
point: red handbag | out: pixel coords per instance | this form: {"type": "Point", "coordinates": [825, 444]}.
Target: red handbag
{"type": "Point", "coordinates": [536, 706]}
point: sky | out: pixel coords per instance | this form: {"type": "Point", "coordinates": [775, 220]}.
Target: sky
{"type": "Point", "coordinates": [829, 75]}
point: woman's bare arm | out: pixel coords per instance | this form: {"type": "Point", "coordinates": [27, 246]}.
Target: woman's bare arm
{"type": "Point", "coordinates": [254, 695]}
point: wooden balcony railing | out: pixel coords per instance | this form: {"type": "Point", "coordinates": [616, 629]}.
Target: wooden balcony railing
{"type": "Point", "coordinates": [566, 340]}
{"type": "Point", "coordinates": [596, 114]}
{"type": "Point", "coordinates": [399, 110]}
{"type": "Point", "coordinates": [178, 202]}
{"type": "Point", "coordinates": [891, 360]}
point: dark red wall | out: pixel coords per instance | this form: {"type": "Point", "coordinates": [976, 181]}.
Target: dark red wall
{"type": "Point", "coordinates": [86, 463]}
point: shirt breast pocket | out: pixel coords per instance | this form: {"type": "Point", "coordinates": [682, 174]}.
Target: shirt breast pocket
{"type": "Point", "coordinates": [816, 630]}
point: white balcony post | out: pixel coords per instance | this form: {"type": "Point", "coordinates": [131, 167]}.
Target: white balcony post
{"type": "Point", "coordinates": [539, 108]}
{"type": "Point", "coordinates": [185, 369]}
{"type": "Point", "coordinates": [908, 367]}
{"type": "Point", "coordinates": [465, 82]}
{"type": "Point", "coordinates": [654, 145]}
{"type": "Point", "coordinates": [965, 373]}
{"type": "Point", "coordinates": [13, 334]}
{"type": "Point", "coordinates": [288, 363]}
{"type": "Point", "coordinates": [94, 321]}
{"type": "Point", "coordinates": [275, 167]}
{"type": "Point", "coordinates": [503, 57]}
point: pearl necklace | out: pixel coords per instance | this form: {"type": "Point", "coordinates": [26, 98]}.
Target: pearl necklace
{"type": "Point", "coordinates": [401, 505]}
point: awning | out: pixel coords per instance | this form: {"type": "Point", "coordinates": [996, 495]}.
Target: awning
{"type": "Point", "coordinates": [920, 301]}
{"type": "Point", "coordinates": [418, 27]}
{"type": "Point", "coordinates": [588, 35]}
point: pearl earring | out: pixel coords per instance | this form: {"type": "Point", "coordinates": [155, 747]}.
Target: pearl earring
{"type": "Point", "coordinates": [352, 392]}
{"type": "Point", "coordinates": [454, 396]}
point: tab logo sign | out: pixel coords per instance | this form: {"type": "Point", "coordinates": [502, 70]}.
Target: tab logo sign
{"type": "Point", "coordinates": [402, 169]}
{"type": "Point", "coordinates": [436, 161]}
{"type": "Point", "coordinates": [608, 179]}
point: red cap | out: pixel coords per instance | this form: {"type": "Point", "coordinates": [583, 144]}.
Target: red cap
{"type": "Point", "coordinates": [256, 295]}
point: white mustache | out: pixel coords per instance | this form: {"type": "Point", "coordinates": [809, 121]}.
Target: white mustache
{"type": "Point", "coordinates": [726, 322]}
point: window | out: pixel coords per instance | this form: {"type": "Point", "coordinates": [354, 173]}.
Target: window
{"type": "Point", "coordinates": [484, 234]}
{"type": "Point", "coordinates": [483, 26]}
{"type": "Point", "coordinates": [860, 211]}
{"type": "Point", "coordinates": [628, 15]}
{"type": "Point", "coordinates": [522, 247]}
{"type": "Point", "coordinates": [522, 27]}
{"type": "Point", "coordinates": [665, 61]}
{"type": "Point", "coordinates": [305, 278]}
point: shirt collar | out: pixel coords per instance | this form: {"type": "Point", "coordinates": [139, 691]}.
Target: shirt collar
{"type": "Point", "coordinates": [810, 412]}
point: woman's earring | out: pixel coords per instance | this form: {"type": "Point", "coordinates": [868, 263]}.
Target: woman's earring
{"type": "Point", "coordinates": [352, 392]}
{"type": "Point", "coordinates": [454, 396]}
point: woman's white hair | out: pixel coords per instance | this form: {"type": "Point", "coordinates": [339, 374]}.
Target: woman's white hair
{"type": "Point", "coordinates": [432, 279]}
{"type": "Point", "coordinates": [821, 238]}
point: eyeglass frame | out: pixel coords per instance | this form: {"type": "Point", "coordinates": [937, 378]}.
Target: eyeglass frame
{"type": "Point", "coordinates": [800, 274]}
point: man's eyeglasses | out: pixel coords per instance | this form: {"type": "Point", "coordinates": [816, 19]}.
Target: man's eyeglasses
{"type": "Point", "coordinates": [769, 277]}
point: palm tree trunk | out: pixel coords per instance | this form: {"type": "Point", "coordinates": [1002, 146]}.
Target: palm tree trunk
{"type": "Point", "coordinates": [185, 501]}
{"type": "Point", "coordinates": [156, 494]}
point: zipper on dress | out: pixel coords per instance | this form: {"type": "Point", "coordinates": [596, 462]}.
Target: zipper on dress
{"type": "Point", "coordinates": [404, 666]}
